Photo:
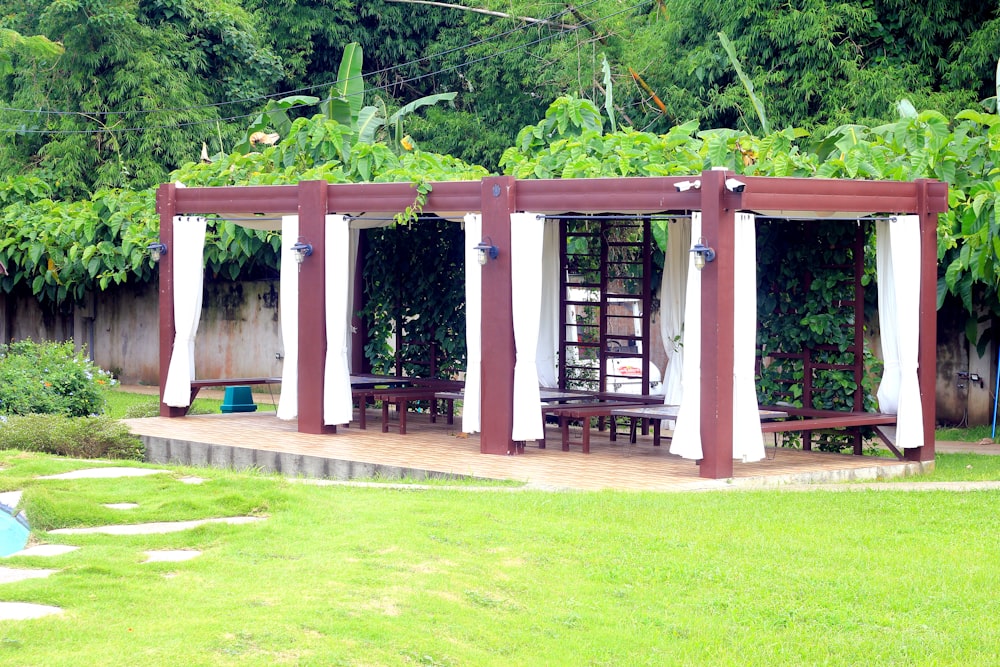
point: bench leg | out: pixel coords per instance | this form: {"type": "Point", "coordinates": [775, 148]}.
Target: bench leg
{"type": "Point", "coordinates": [401, 407]}
{"type": "Point", "coordinates": [656, 432]}
{"type": "Point", "coordinates": [362, 410]}
{"type": "Point", "coordinates": [451, 411]}
{"type": "Point", "coordinates": [564, 432]}
{"type": "Point", "coordinates": [586, 435]}
{"type": "Point", "coordinates": [385, 416]}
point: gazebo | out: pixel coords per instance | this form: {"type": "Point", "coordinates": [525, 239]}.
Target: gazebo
{"type": "Point", "coordinates": [721, 200]}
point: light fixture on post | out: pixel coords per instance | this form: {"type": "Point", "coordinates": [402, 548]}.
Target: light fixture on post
{"type": "Point", "coordinates": [156, 251]}
{"type": "Point", "coordinates": [301, 250]}
{"type": "Point", "coordinates": [486, 251]}
{"type": "Point", "coordinates": [702, 254]}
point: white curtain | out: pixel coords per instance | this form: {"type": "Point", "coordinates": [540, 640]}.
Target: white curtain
{"type": "Point", "coordinates": [526, 236]}
{"type": "Point", "coordinates": [673, 287]}
{"type": "Point", "coordinates": [548, 332]}
{"type": "Point", "coordinates": [352, 265]}
{"type": "Point", "coordinates": [748, 441]}
{"type": "Point", "coordinates": [888, 389]}
{"type": "Point", "coordinates": [337, 401]}
{"type": "Point", "coordinates": [687, 429]}
{"type": "Point", "coordinates": [473, 324]}
{"type": "Point", "coordinates": [288, 309]}
{"type": "Point", "coordinates": [898, 265]}
{"type": "Point", "coordinates": [187, 255]}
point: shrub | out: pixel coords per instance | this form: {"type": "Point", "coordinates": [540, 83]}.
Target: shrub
{"type": "Point", "coordinates": [83, 437]}
{"type": "Point", "coordinates": [50, 378]}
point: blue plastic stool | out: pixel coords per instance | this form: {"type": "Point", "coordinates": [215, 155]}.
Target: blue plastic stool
{"type": "Point", "coordinates": [238, 399]}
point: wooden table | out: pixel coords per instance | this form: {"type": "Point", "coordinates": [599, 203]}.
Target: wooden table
{"type": "Point", "coordinates": [583, 412]}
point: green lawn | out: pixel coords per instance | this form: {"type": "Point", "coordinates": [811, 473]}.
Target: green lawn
{"type": "Point", "coordinates": [342, 575]}
{"type": "Point", "coordinates": [123, 404]}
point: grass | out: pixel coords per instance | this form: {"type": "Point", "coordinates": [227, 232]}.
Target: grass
{"type": "Point", "coordinates": [121, 404]}
{"type": "Point", "coordinates": [342, 575]}
{"type": "Point", "coordinates": [967, 434]}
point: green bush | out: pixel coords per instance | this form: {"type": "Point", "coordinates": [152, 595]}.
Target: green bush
{"type": "Point", "coordinates": [82, 437]}
{"type": "Point", "coordinates": [50, 378]}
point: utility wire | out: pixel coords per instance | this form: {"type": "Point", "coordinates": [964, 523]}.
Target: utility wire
{"type": "Point", "coordinates": [310, 88]}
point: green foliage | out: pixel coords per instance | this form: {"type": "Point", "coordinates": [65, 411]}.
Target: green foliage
{"type": "Point", "coordinates": [805, 277]}
{"type": "Point", "coordinates": [139, 81]}
{"type": "Point", "coordinates": [415, 279]}
{"type": "Point", "coordinates": [35, 47]}
{"type": "Point", "coordinates": [50, 378]}
{"type": "Point", "coordinates": [60, 251]}
{"type": "Point", "coordinates": [78, 437]}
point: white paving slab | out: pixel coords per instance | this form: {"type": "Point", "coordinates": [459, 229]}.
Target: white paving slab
{"type": "Point", "coordinates": [171, 556]}
{"type": "Point", "coordinates": [45, 550]}
{"type": "Point", "coordinates": [121, 506]}
{"type": "Point", "coordinates": [19, 611]}
{"type": "Point", "coordinates": [192, 480]}
{"type": "Point", "coordinates": [9, 575]}
{"type": "Point", "coordinates": [10, 498]}
{"type": "Point", "coordinates": [104, 473]}
{"type": "Point", "coordinates": [150, 528]}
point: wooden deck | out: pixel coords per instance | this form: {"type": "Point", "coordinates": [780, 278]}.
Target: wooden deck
{"type": "Point", "coordinates": [243, 440]}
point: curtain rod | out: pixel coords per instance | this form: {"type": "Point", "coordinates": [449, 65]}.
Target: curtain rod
{"type": "Point", "coordinates": [806, 218]}
{"type": "Point", "coordinates": [584, 216]}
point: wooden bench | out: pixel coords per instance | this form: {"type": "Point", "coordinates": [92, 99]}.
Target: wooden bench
{"type": "Point", "coordinates": [198, 385]}
{"type": "Point", "coordinates": [401, 398]}
{"type": "Point", "coordinates": [807, 421]}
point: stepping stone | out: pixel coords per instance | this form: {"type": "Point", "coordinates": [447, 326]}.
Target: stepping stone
{"type": "Point", "coordinates": [10, 498]}
{"type": "Point", "coordinates": [171, 556]}
{"type": "Point", "coordinates": [8, 575]}
{"type": "Point", "coordinates": [151, 528]}
{"type": "Point", "coordinates": [192, 480]}
{"type": "Point", "coordinates": [103, 473]}
{"type": "Point", "coordinates": [45, 550]}
{"type": "Point", "coordinates": [19, 611]}
{"type": "Point", "coordinates": [121, 506]}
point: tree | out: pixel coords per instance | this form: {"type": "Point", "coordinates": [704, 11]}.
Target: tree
{"type": "Point", "coordinates": [132, 96]}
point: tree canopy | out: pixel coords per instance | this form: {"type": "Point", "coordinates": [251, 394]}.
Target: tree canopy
{"type": "Point", "coordinates": [111, 97]}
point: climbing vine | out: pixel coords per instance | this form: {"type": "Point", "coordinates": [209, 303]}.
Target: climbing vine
{"type": "Point", "coordinates": [414, 284]}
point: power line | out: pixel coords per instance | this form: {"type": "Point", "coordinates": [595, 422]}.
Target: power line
{"type": "Point", "coordinates": [303, 89]}
{"type": "Point", "coordinates": [176, 125]}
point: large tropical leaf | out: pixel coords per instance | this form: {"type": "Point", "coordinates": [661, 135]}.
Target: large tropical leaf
{"type": "Point", "coordinates": [416, 104]}
{"type": "Point", "coordinates": [350, 84]}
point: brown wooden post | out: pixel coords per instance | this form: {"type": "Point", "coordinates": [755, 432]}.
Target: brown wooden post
{"type": "Point", "coordinates": [312, 307]}
{"type": "Point", "coordinates": [717, 322]}
{"type": "Point", "coordinates": [497, 398]}
{"type": "Point", "coordinates": [166, 205]}
{"type": "Point", "coordinates": [927, 354]}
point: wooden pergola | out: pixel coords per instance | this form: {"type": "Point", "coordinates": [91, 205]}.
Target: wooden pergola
{"type": "Point", "coordinates": [497, 197]}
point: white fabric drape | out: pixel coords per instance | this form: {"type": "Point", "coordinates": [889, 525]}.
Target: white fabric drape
{"type": "Point", "coordinates": [288, 301]}
{"type": "Point", "coordinates": [898, 265]}
{"type": "Point", "coordinates": [548, 332]}
{"type": "Point", "coordinates": [526, 234]}
{"type": "Point", "coordinates": [352, 264]}
{"type": "Point", "coordinates": [187, 255]}
{"type": "Point", "coordinates": [748, 441]}
{"type": "Point", "coordinates": [686, 441]}
{"type": "Point", "coordinates": [888, 389]}
{"type": "Point", "coordinates": [473, 325]}
{"type": "Point", "coordinates": [337, 401]}
{"type": "Point", "coordinates": [673, 287]}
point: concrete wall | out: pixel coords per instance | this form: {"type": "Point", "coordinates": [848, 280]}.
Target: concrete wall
{"type": "Point", "coordinates": [238, 335]}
